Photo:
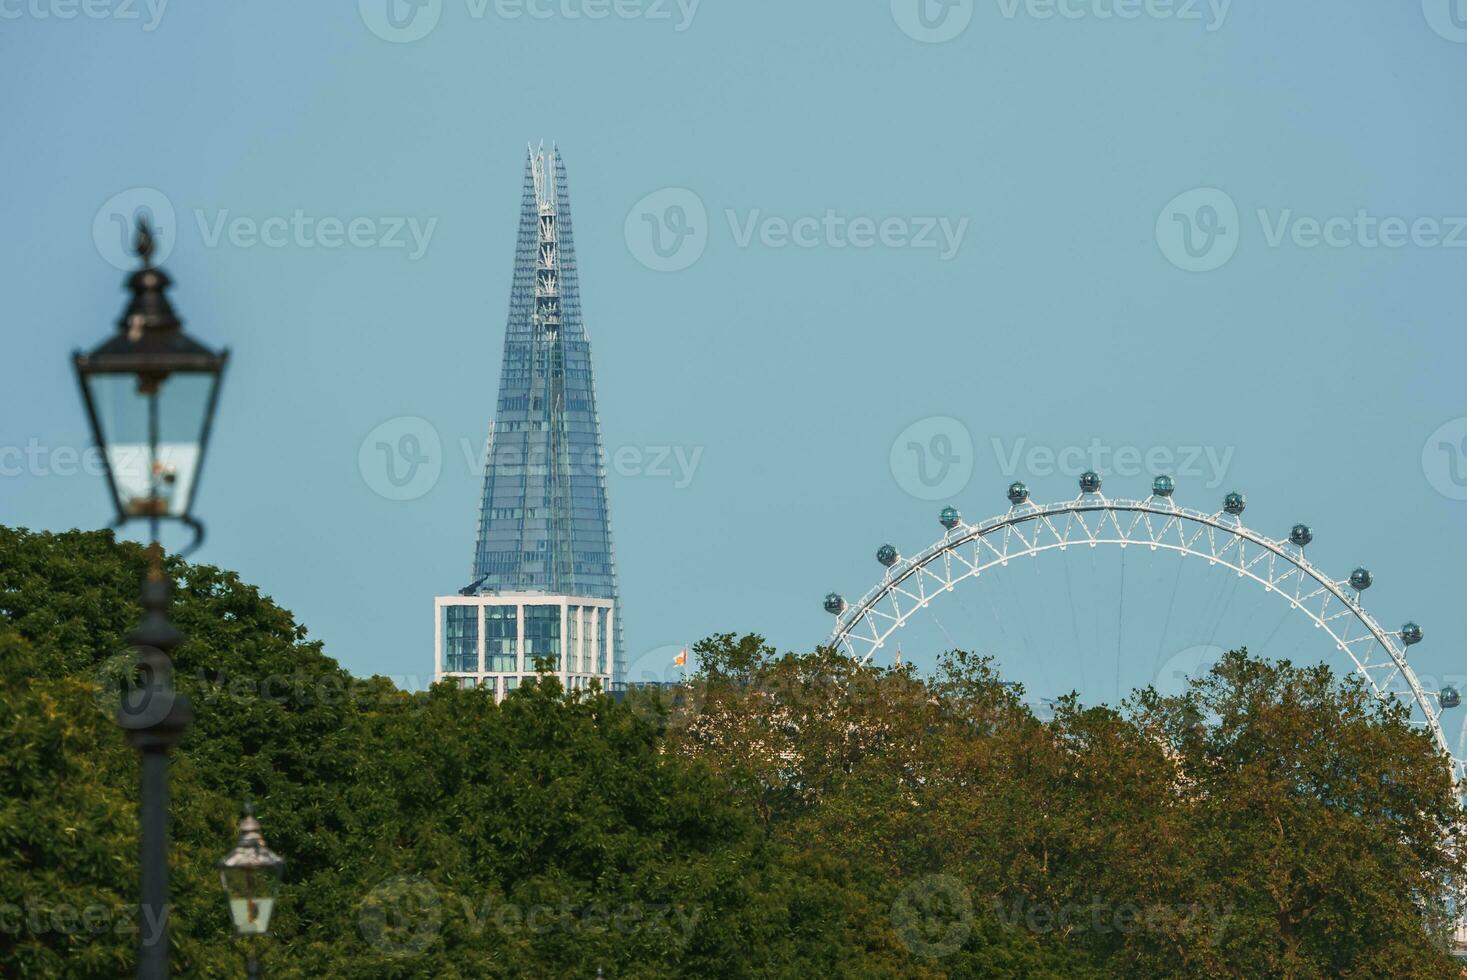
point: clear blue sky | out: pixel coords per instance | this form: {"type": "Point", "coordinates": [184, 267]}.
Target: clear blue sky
{"type": "Point", "coordinates": [1052, 147]}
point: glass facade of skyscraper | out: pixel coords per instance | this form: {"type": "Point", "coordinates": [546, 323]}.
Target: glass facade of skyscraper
{"type": "Point", "coordinates": [544, 522]}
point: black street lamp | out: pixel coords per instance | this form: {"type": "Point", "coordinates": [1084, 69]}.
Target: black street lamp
{"type": "Point", "coordinates": [150, 392]}
{"type": "Point", "coordinates": [250, 875]}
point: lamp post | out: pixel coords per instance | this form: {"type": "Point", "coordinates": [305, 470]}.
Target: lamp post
{"type": "Point", "coordinates": [150, 391]}
{"type": "Point", "coordinates": [250, 875]}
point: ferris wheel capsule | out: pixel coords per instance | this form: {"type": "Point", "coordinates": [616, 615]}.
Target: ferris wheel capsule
{"type": "Point", "coordinates": [1301, 534]}
{"type": "Point", "coordinates": [834, 604]}
{"type": "Point", "coordinates": [887, 555]}
{"type": "Point", "coordinates": [1449, 697]}
{"type": "Point", "coordinates": [1235, 503]}
{"type": "Point", "coordinates": [1361, 579]}
{"type": "Point", "coordinates": [1163, 486]}
{"type": "Point", "coordinates": [1090, 482]}
{"type": "Point", "coordinates": [1018, 493]}
{"type": "Point", "coordinates": [949, 518]}
{"type": "Point", "coordinates": [1411, 634]}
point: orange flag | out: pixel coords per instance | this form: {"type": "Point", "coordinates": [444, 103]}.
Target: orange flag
{"type": "Point", "coordinates": [682, 658]}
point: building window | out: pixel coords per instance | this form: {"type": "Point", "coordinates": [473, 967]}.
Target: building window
{"type": "Point", "coordinates": [573, 636]}
{"type": "Point", "coordinates": [461, 639]}
{"type": "Point", "coordinates": [603, 642]}
{"type": "Point", "coordinates": [542, 635]}
{"type": "Point", "coordinates": [501, 633]}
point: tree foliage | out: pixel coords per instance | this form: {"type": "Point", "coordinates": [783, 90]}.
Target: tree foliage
{"type": "Point", "coordinates": [779, 815]}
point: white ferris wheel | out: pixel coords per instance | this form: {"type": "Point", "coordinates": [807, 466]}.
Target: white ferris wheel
{"type": "Point", "coordinates": [967, 551]}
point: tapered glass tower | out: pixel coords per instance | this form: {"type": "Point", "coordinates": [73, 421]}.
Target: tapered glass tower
{"type": "Point", "coordinates": [544, 524]}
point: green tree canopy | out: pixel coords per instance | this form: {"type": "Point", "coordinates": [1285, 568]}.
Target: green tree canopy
{"type": "Point", "coordinates": [778, 815]}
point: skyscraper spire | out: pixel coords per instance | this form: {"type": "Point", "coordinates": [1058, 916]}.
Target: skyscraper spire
{"type": "Point", "coordinates": [544, 523]}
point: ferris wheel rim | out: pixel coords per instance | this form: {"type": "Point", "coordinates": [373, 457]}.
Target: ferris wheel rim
{"type": "Point", "coordinates": [1025, 512]}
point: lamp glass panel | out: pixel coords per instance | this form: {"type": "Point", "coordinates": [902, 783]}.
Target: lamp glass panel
{"type": "Point", "coordinates": [150, 481]}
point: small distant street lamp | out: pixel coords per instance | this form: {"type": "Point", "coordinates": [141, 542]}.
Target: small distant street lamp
{"type": "Point", "coordinates": [251, 876]}
{"type": "Point", "coordinates": [150, 391]}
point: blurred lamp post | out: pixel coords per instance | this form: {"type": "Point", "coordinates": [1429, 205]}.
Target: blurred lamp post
{"type": "Point", "coordinates": [251, 875]}
{"type": "Point", "coordinates": [150, 391]}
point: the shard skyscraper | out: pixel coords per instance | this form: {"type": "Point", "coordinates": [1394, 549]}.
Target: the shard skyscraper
{"type": "Point", "coordinates": [544, 523]}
